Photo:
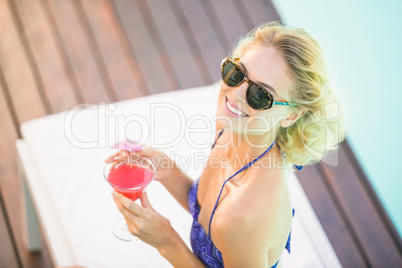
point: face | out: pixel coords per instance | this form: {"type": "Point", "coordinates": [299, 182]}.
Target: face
{"type": "Point", "coordinates": [265, 66]}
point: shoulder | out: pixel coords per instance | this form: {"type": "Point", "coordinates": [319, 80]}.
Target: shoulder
{"type": "Point", "coordinates": [239, 241]}
{"type": "Point", "coordinates": [264, 203]}
{"type": "Point", "coordinates": [257, 220]}
{"type": "Point", "coordinates": [268, 193]}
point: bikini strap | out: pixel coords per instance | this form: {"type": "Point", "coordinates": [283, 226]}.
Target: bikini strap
{"type": "Point", "coordinates": [220, 133]}
{"type": "Point", "coordinates": [240, 170]}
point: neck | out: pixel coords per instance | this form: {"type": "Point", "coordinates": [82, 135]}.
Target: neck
{"type": "Point", "coordinates": [246, 147]}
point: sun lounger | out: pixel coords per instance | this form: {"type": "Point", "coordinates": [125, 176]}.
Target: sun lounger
{"type": "Point", "coordinates": [61, 158]}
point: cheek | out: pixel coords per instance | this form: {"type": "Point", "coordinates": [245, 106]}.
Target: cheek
{"type": "Point", "coordinates": [224, 88]}
{"type": "Point", "coordinates": [263, 123]}
{"type": "Point", "coordinates": [222, 93]}
{"type": "Point", "coordinates": [221, 97]}
{"type": "Point", "coordinates": [258, 125]}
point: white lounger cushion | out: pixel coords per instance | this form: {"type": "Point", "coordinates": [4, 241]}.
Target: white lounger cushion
{"type": "Point", "coordinates": [67, 150]}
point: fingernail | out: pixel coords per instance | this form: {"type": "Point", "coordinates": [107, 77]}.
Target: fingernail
{"type": "Point", "coordinates": [114, 193]}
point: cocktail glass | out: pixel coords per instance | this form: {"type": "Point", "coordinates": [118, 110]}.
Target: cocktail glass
{"type": "Point", "coordinates": [129, 177]}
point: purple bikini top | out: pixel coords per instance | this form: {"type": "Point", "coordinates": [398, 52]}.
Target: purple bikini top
{"type": "Point", "coordinates": [201, 243]}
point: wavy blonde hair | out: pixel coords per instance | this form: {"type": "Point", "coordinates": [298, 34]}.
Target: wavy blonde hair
{"type": "Point", "coordinates": [320, 130]}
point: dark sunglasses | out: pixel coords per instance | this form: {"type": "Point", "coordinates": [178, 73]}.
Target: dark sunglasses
{"type": "Point", "coordinates": [257, 97]}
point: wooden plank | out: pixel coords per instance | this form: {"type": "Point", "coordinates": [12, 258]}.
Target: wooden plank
{"type": "Point", "coordinates": [202, 31]}
{"type": "Point", "coordinates": [17, 73]}
{"type": "Point", "coordinates": [156, 38]}
{"type": "Point", "coordinates": [241, 8]}
{"type": "Point", "coordinates": [92, 84]}
{"type": "Point", "coordinates": [258, 12]}
{"type": "Point", "coordinates": [370, 190]}
{"type": "Point", "coordinates": [127, 81]}
{"type": "Point", "coordinates": [8, 256]}
{"type": "Point", "coordinates": [218, 27]}
{"type": "Point", "coordinates": [10, 186]}
{"type": "Point", "coordinates": [358, 206]}
{"type": "Point", "coordinates": [192, 43]}
{"type": "Point", "coordinates": [176, 46]}
{"type": "Point", "coordinates": [330, 218]}
{"type": "Point", "coordinates": [48, 62]}
{"type": "Point", "coordinates": [144, 47]}
{"type": "Point", "coordinates": [273, 12]}
{"type": "Point", "coordinates": [94, 49]}
{"type": "Point", "coordinates": [308, 220]}
{"type": "Point", "coordinates": [230, 19]}
{"type": "Point", "coordinates": [20, 100]}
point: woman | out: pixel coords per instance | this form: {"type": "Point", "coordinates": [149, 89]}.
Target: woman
{"type": "Point", "coordinates": [275, 86]}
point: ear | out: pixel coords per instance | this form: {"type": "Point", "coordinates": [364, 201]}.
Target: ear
{"type": "Point", "coordinates": [292, 118]}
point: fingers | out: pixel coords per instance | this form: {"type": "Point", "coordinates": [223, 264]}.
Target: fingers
{"type": "Point", "coordinates": [132, 220]}
{"type": "Point", "coordinates": [111, 158]}
{"type": "Point", "coordinates": [128, 215]}
{"type": "Point", "coordinates": [115, 158]}
{"type": "Point", "coordinates": [129, 205]}
{"type": "Point", "coordinates": [123, 154]}
{"type": "Point", "coordinates": [145, 201]}
{"type": "Point", "coordinates": [113, 165]}
{"type": "Point", "coordinates": [120, 155]}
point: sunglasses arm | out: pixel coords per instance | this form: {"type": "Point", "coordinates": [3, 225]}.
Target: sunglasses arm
{"type": "Point", "coordinates": [284, 103]}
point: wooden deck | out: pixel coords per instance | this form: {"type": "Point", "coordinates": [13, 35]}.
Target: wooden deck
{"type": "Point", "coordinates": [56, 54]}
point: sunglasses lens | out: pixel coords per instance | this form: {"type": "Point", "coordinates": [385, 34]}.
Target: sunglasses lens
{"type": "Point", "coordinates": [257, 98]}
{"type": "Point", "coordinates": [231, 74]}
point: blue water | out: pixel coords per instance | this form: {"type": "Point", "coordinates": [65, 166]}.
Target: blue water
{"type": "Point", "coordinates": [363, 44]}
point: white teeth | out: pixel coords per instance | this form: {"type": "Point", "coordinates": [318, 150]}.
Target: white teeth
{"type": "Point", "coordinates": [233, 110]}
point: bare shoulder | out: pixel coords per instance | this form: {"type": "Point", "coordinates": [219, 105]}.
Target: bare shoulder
{"type": "Point", "coordinates": [264, 198]}
{"type": "Point", "coordinates": [258, 217]}
{"type": "Point", "coordinates": [240, 244]}
{"type": "Point", "coordinates": [267, 193]}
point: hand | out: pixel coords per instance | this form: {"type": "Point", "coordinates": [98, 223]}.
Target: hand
{"type": "Point", "coordinates": [144, 222]}
{"type": "Point", "coordinates": [164, 166]}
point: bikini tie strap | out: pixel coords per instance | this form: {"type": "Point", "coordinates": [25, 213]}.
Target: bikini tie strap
{"type": "Point", "coordinates": [217, 139]}
{"type": "Point", "coordinates": [240, 170]}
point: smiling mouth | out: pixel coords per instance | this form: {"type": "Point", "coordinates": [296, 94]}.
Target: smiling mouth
{"type": "Point", "coordinates": [233, 109]}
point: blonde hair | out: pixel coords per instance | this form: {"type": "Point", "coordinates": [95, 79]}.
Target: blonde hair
{"type": "Point", "coordinates": [320, 130]}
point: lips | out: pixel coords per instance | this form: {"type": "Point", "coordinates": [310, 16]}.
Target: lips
{"type": "Point", "coordinates": [233, 109]}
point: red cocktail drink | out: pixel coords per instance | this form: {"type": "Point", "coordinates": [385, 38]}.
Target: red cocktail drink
{"type": "Point", "coordinates": [130, 180]}
{"type": "Point", "coordinates": [129, 177]}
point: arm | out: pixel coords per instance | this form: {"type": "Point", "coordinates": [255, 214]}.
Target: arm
{"type": "Point", "coordinates": [178, 184]}
{"type": "Point", "coordinates": [155, 230]}
{"type": "Point", "coordinates": [179, 255]}
{"type": "Point", "coordinates": [240, 244]}
{"type": "Point", "coordinates": [246, 232]}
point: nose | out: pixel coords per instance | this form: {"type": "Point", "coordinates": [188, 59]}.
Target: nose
{"type": "Point", "coordinates": [240, 92]}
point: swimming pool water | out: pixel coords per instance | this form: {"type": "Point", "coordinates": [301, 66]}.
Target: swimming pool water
{"type": "Point", "coordinates": [362, 41]}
